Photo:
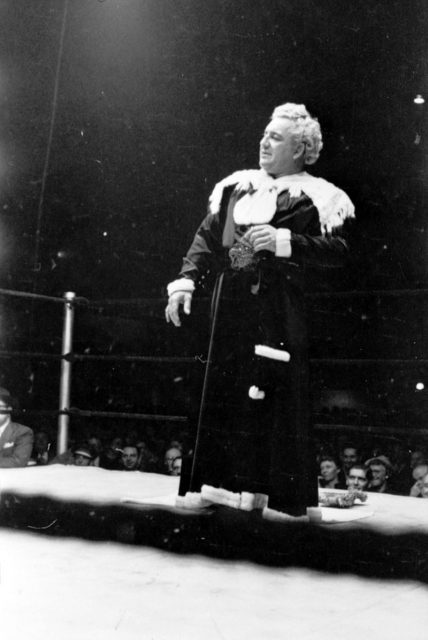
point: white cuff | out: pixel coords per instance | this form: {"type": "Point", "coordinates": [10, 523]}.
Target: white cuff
{"type": "Point", "coordinates": [283, 243]}
{"type": "Point", "coordinates": [269, 352]}
{"type": "Point", "coordinates": [182, 284]}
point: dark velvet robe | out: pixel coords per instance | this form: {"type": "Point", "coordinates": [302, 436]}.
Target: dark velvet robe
{"type": "Point", "coordinates": [259, 446]}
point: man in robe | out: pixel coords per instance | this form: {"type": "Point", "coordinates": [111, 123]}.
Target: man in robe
{"type": "Point", "coordinates": [263, 230]}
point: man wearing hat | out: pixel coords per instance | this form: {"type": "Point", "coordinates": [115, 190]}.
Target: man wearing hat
{"type": "Point", "coordinates": [82, 456]}
{"type": "Point", "coordinates": [16, 441]}
{"type": "Point", "coordinates": [380, 471]}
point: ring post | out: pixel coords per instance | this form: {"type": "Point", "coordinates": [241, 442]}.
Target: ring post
{"type": "Point", "coordinates": [66, 365]}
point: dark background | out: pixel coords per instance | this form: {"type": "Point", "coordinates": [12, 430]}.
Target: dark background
{"type": "Point", "coordinates": [117, 117]}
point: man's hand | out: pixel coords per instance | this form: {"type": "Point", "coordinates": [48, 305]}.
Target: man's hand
{"type": "Point", "coordinates": [172, 311]}
{"type": "Point", "coordinates": [262, 237]}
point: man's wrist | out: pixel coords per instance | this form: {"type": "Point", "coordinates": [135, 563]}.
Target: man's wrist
{"type": "Point", "coordinates": [283, 243]}
{"type": "Point", "coordinates": [182, 284]}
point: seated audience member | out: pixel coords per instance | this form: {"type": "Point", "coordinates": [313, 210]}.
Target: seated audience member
{"type": "Point", "coordinates": [16, 441]}
{"type": "Point", "coordinates": [401, 480]}
{"type": "Point", "coordinates": [42, 451]}
{"type": "Point", "coordinates": [130, 459]}
{"type": "Point", "coordinates": [348, 455]}
{"type": "Point", "coordinates": [171, 455]}
{"type": "Point", "coordinates": [380, 471]}
{"type": "Point", "coordinates": [80, 452]}
{"type": "Point", "coordinates": [330, 474]}
{"type": "Point", "coordinates": [176, 467]}
{"type": "Point", "coordinates": [417, 456]}
{"type": "Point", "coordinates": [96, 447]}
{"type": "Point", "coordinates": [110, 458]}
{"type": "Point", "coordinates": [424, 486]}
{"type": "Point", "coordinates": [418, 474]}
{"type": "Point", "coordinates": [358, 477]}
{"type": "Point", "coordinates": [83, 456]}
{"type": "Point", "coordinates": [149, 462]}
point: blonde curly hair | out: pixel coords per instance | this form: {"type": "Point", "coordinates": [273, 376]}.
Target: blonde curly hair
{"type": "Point", "coordinates": [307, 128]}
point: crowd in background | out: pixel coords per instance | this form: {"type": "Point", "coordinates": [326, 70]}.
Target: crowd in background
{"type": "Point", "coordinates": [127, 452]}
{"type": "Point", "coordinates": [386, 467]}
{"type": "Point", "coordinates": [404, 471]}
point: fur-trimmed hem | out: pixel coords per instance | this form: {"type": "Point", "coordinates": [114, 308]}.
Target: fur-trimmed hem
{"type": "Point", "coordinates": [280, 516]}
{"type": "Point", "coordinates": [191, 501]}
{"type": "Point", "coordinates": [208, 496]}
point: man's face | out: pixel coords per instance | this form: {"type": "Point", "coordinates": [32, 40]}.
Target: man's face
{"type": "Point", "coordinates": [278, 147]}
{"type": "Point", "coordinates": [378, 474]}
{"type": "Point", "coordinates": [176, 467]}
{"type": "Point", "coordinates": [356, 479]}
{"type": "Point", "coordinates": [328, 470]}
{"type": "Point", "coordinates": [349, 457]}
{"type": "Point", "coordinates": [4, 413]}
{"type": "Point", "coordinates": [418, 473]}
{"type": "Point", "coordinates": [81, 461]}
{"type": "Point", "coordinates": [170, 456]}
{"type": "Point", "coordinates": [130, 458]}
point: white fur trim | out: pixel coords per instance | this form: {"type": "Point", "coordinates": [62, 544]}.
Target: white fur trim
{"type": "Point", "coordinates": [255, 393]}
{"type": "Point", "coordinates": [333, 204]}
{"type": "Point", "coordinates": [250, 501]}
{"type": "Point", "coordinates": [283, 244]}
{"type": "Point", "coordinates": [221, 496]}
{"type": "Point", "coordinates": [182, 284]}
{"type": "Point", "coordinates": [280, 516]}
{"type": "Point", "coordinates": [242, 179]}
{"type": "Point", "coordinates": [247, 501]}
{"type": "Point", "coordinates": [191, 500]}
{"type": "Point", "coordinates": [269, 352]}
{"type": "Point", "coordinates": [260, 500]}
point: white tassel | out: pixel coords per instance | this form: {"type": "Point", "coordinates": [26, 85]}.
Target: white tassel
{"type": "Point", "coordinates": [255, 393]}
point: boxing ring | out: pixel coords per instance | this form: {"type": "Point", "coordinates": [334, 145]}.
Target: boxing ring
{"type": "Point", "coordinates": [78, 559]}
{"type": "Point", "coordinates": [87, 552]}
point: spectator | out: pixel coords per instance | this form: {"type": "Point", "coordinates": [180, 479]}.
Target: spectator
{"type": "Point", "coordinates": [348, 455]}
{"type": "Point", "coordinates": [171, 455]}
{"type": "Point", "coordinates": [358, 477]}
{"type": "Point", "coordinates": [42, 449]}
{"type": "Point", "coordinates": [130, 458]}
{"type": "Point", "coordinates": [329, 477]}
{"type": "Point", "coordinates": [424, 487]}
{"type": "Point", "coordinates": [149, 462]}
{"type": "Point", "coordinates": [380, 471]}
{"type": "Point", "coordinates": [80, 455]}
{"type": "Point", "coordinates": [417, 456]}
{"type": "Point", "coordinates": [96, 447]}
{"type": "Point", "coordinates": [418, 473]}
{"type": "Point", "coordinates": [83, 456]}
{"type": "Point", "coordinates": [16, 440]}
{"type": "Point", "coordinates": [110, 458]}
{"type": "Point", "coordinates": [401, 480]}
{"type": "Point", "coordinates": [176, 467]}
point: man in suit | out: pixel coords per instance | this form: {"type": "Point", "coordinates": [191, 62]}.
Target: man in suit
{"type": "Point", "coordinates": [16, 441]}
